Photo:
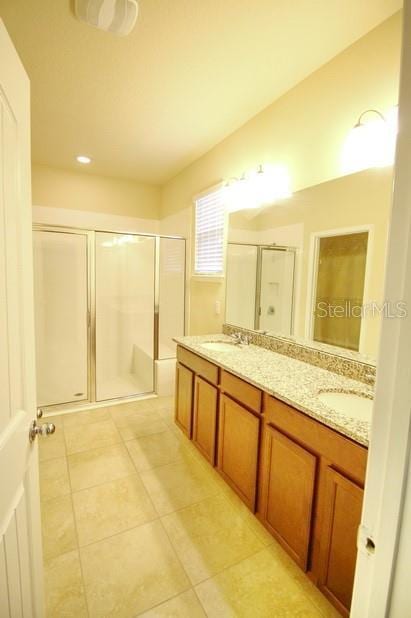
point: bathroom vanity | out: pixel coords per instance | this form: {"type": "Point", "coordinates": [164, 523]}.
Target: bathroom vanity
{"type": "Point", "coordinates": [296, 463]}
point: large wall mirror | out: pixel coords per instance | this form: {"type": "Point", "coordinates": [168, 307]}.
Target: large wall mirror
{"type": "Point", "coordinates": [311, 267]}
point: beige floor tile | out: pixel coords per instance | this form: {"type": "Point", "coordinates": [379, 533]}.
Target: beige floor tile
{"type": "Point", "coordinates": [87, 417]}
{"type": "Point", "coordinates": [131, 572]}
{"type": "Point", "coordinates": [59, 533]}
{"type": "Point", "coordinates": [257, 586]}
{"type": "Point", "coordinates": [186, 605]}
{"type": "Point", "coordinates": [156, 403]}
{"type": "Point", "coordinates": [177, 485]}
{"type": "Point", "coordinates": [175, 429]}
{"type": "Point", "coordinates": [90, 436]}
{"type": "Point", "coordinates": [99, 466]}
{"type": "Point", "coordinates": [318, 599]}
{"type": "Point", "coordinates": [167, 414]}
{"type": "Point", "coordinates": [311, 591]}
{"type": "Point", "coordinates": [155, 450]}
{"type": "Point", "coordinates": [54, 478]}
{"type": "Point", "coordinates": [111, 508]}
{"type": "Point", "coordinates": [210, 536]}
{"type": "Point", "coordinates": [251, 520]}
{"type": "Point", "coordinates": [164, 403]}
{"type": "Point", "coordinates": [131, 406]}
{"type": "Point", "coordinates": [63, 585]}
{"type": "Point", "coordinates": [54, 445]}
{"type": "Point", "coordinates": [137, 423]}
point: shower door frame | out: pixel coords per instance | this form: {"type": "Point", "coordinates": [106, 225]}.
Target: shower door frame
{"type": "Point", "coordinates": [260, 249]}
{"type": "Point", "coordinates": [257, 307]}
{"type": "Point", "coordinates": [91, 310]}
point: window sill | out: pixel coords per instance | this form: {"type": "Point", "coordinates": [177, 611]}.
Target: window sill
{"type": "Point", "coordinates": [208, 278]}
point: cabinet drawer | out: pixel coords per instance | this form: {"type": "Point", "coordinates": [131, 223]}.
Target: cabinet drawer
{"type": "Point", "coordinates": [343, 452]}
{"type": "Point", "coordinates": [240, 390]}
{"type": "Point", "coordinates": [199, 365]}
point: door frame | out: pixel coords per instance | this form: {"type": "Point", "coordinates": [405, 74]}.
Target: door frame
{"type": "Point", "coordinates": [313, 273]}
{"type": "Point", "coordinates": [378, 573]}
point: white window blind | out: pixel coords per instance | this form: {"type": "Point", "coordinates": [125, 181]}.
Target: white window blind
{"type": "Point", "coordinates": [209, 234]}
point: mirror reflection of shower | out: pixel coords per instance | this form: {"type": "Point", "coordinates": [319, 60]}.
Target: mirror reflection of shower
{"type": "Point", "coordinates": [260, 287]}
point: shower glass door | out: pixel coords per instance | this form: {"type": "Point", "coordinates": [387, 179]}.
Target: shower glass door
{"type": "Point", "coordinates": [241, 284]}
{"type": "Point", "coordinates": [61, 316]}
{"type": "Point", "coordinates": [276, 290]}
{"type": "Point", "coordinates": [125, 272]}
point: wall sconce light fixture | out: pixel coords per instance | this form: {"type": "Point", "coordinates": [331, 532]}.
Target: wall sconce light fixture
{"type": "Point", "coordinates": [257, 188]}
{"type": "Point", "coordinates": [370, 143]}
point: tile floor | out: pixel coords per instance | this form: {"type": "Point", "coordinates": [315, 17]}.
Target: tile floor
{"type": "Point", "coordinates": [136, 523]}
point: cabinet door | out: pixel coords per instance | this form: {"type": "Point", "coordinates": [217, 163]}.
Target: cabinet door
{"type": "Point", "coordinates": [238, 449]}
{"type": "Point", "coordinates": [287, 493]}
{"type": "Point", "coordinates": [184, 398]}
{"type": "Point", "coordinates": [205, 418]}
{"type": "Point", "coordinates": [341, 518]}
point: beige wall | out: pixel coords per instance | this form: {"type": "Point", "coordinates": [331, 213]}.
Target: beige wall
{"type": "Point", "coordinates": [64, 189]}
{"type": "Point", "coordinates": [304, 130]}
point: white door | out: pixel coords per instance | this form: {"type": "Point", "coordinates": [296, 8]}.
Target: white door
{"type": "Point", "coordinates": [382, 580]}
{"type": "Point", "coordinates": [20, 534]}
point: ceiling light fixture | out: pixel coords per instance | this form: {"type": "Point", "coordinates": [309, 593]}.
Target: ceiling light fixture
{"type": "Point", "coordinates": [83, 159]}
{"type": "Point", "coordinates": [117, 16]}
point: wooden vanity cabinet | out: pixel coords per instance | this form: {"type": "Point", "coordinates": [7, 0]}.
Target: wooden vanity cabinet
{"type": "Point", "coordinates": [287, 493]}
{"type": "Point", "coordinates": [239, 436]}
{"type": "Point", "coordinates": [310, 496]}
{"type": "Point", "coordinates": [238, 442]}
{"type": "Point", "coordinates": [205, 418]}
{"type": "Point", "coordinates": [304, 479]}
{"type": "Point", "coordinates": [196, 400]}
{"type": "Point", "coordinates": [341, 517]}
{"type": "Point", "coordinates": [183, 412]}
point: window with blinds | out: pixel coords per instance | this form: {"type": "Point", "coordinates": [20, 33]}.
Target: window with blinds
{"type": "Point", "coordinates": [209, 234]}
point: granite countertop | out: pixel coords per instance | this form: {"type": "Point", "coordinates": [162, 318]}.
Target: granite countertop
{"type": "Point", "coordinates": [294, 382]}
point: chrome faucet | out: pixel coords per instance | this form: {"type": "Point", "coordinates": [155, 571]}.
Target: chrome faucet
{"type": "Point", "coordinates": [240, 338]}
{"type": "Point", "coordinates": [236, 337]}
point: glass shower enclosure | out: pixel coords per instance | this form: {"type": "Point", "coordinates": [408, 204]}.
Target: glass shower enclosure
{"type": "Point", "coordinates": [100, 313]}
{"type": "Point", "coordinates": [260, 287]}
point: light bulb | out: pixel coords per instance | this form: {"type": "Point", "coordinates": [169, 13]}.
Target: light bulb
{"type": "Point", "coordinates": [83, 159]}
{"type": "Point", "coordinates": [370, 144]}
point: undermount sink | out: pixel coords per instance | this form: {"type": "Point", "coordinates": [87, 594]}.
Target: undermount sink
{"type": "Point", "coordinates": [220, 346]}
{"type": "Point", "coordinates": [351, 404]}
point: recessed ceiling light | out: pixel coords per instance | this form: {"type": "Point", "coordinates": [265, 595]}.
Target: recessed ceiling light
{"type": "Point", "coordinates": [83, 159]}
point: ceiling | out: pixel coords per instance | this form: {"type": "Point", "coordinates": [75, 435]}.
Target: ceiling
{"type": "Point", "coordinates": [191, 72]}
